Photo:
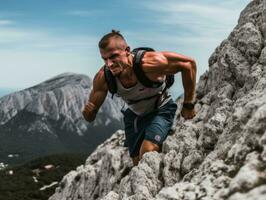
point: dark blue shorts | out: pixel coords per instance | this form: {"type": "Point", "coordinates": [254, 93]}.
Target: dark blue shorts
{"type": "Point", "coordinates": [153, 126]}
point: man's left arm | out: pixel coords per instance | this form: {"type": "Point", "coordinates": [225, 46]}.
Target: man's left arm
{"type": "Point", "coordinates": [171, 63]}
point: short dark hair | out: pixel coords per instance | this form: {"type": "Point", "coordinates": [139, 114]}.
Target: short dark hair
{"type": "Point", "coordinates": [103, 43]}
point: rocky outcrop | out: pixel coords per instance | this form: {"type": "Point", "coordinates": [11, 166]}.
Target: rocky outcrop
{"type": "Point", "coordinates": [220, 154]}
{"type": "Point", "coordinates": [47, 119]}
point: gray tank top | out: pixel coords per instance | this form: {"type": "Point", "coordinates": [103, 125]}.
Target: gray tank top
{"type": "Point", "coordinates": [141, 99]}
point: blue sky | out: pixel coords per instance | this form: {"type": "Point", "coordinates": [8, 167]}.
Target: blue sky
{"type": "Point", "coordinates": [43, 38]}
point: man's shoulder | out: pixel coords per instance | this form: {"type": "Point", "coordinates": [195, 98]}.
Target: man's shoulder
{"type": "Point", "coordinates": [99, 75]}
{"type": "Point", "coordinates": [99, 78]}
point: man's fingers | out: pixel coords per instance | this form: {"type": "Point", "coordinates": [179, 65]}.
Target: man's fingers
{"type": "Point", "coordinates": [89, 107]}
{"type": "Point", "coordinates": [89, 111]}
{"type": "Point", "coordinates": [84, 114]}
{"type": "Point", "coordinates": [188, 114]}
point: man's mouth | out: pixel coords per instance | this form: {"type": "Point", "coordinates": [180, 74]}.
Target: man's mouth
{"type": "Point", "coordinates": [113, 69]}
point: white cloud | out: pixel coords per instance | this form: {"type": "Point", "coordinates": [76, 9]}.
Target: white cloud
{"type": "Point", "coordinates": [15, 39]}
{"type": "Point", "coordinates": [28, 57]}
{"type": "Point", "coordinates": [82, 13]}
{"type": "Point", "coordinates": [195, 9]}
{"type": "Point", "coordinates": [6, 22]}
{"type": "Point", "coordinates": [197, 17]}
{"type": "Point", "coordinates": [66, 43]}
{"type": "Point", "coordinates": [25, 69]}
{"type": "Point", "coordinates": [11, 35]}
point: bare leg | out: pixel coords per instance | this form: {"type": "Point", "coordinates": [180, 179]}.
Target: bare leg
{"type": "Point", "coordinates": [148, 146]}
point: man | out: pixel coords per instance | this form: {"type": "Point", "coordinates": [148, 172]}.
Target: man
{"type": "Point", "coordinates": [151, 111]}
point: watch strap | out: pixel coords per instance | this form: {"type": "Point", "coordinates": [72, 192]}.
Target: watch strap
{"type": "Point", "coordinates": [189, 106]}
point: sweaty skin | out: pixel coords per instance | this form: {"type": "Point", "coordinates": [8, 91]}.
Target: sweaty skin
{"type": "Point", "coordinates": [156, 65]}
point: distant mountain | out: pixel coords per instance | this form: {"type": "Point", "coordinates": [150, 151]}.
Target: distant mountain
{"type": "Point", "coordinates": [47, 119]}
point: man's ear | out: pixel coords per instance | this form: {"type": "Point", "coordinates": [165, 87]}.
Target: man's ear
{"type": "Point", "coordinates": [128, 50]}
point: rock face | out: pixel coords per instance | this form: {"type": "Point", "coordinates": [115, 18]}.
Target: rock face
{"type": "Point", "coordinates": [220, 154]}
{"type": "Point", "coordinates": [47, 119]}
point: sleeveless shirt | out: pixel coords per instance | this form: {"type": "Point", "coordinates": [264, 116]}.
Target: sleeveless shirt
{"type": "Point", "coordinates": [141, 99]}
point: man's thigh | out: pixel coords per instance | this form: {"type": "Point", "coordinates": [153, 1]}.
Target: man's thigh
{"type": "Point", "coordinates": [133, 133]}
{"type": "Point", "coordinates": [159, 127]}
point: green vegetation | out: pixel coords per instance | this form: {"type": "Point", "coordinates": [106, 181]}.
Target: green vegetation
{"type": "Point", "coordinates": [21, 185]}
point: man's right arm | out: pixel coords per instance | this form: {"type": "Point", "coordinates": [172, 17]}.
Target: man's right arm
{"type": "Point", "coordinates": [97, 96]}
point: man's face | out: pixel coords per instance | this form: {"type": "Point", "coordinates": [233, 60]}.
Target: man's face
{"type": "Point", "coordinates": [115, 57]}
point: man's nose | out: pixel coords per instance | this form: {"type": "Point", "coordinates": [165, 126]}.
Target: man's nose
{"type": "Point", "coordinates": [109, 63]}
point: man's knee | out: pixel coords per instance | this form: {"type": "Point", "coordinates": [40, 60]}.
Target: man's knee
{"type": "Point", "coordinates": [148, 146]}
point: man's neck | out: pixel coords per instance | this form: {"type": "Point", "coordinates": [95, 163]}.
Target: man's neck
{"type": "Point", "coordinates": [126, 73]}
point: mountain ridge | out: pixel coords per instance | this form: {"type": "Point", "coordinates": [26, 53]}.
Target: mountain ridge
{"type": "Point", "coordinates": [49, 115]}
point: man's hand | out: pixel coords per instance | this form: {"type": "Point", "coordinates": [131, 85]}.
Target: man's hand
{"type": "Point", "coordinates": [188, 113]}
{"type": "Point", "coordinates": [89, 112]}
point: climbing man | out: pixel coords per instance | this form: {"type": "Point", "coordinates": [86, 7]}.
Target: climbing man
{"type": "Point", "coordinates": [141, 78]}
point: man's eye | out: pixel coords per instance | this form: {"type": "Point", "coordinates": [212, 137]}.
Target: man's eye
{"type": "Point", "coordinates": [113, 56]}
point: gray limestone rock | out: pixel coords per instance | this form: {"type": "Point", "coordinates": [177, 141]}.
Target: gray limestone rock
{"type": "Point", "coordinates": [101, 174]}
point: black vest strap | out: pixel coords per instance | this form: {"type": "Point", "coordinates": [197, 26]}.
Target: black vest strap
{"type": "Point", "coordinates": [110, 79]}
{"type": "Point", "coordinates": [137, 67]}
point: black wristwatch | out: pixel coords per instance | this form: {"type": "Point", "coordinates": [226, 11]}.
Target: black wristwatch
{"type": "Point", "coordinates": [189, 106]}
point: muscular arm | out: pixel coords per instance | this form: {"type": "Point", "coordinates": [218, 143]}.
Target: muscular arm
{"type": "Point", "coordinates": [97, 96]}
{"type": "Point", "coordinates": [163, 63]}
{"type": "Point", "coordinates": [187, 67]}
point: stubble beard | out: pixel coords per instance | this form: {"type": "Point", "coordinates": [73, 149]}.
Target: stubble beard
{"type": "Point", "coordinates": [123, 67]}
